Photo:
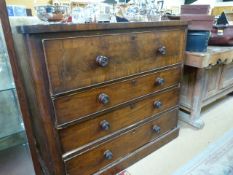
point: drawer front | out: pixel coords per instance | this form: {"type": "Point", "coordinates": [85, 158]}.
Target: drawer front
{"type": "Point", "coordinates": [212, 81]}
{"type": "Point", "coordinates": [73, 63]}
{"type": "Point", "coordinates": [140, 153]}
{"type": "Point", "coordinates": [95, 159]}
{"type": "Point", "coordinates": [74, 107]}
{"type": "Point", "coordinates": [226, 80]}
{"type": "Point", "coordinates": [88, 131]}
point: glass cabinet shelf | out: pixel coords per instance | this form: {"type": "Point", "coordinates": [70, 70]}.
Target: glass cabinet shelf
{"type": "Point", "coordinates": [10, 116]}
{"type": "Point", "coordinates": [5, 73]}
{"type": "Point", "coordinates": [2, 90]}
{"type": "Point", "coordinates": [6, 79]}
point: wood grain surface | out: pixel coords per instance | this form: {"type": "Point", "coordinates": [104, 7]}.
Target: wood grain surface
{"type": "Point", "coordinates": [71, 62]}
{"type": "Point", "coordinates": [75, 136]}
{"type": "Point", "coordinates": [55, 28]}
{"type": "Point", "coordinates": [75, 106]}
{"type": "Point", "coordinates": [140, 153]}
{"type": "Point", "coordinates": [210, 58]}
{"type": "Point", "coordinates": [91, 161]}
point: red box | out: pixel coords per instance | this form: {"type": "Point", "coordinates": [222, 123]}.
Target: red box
{"type": "Point", "coordinates": [195, 9]}
{"type": "Point", "coordinates": [198, 22]}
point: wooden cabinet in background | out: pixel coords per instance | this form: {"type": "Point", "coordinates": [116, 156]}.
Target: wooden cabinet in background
{"type": "Point", "coordinates": [207, 77]}
{"type": "Point", "coordinates": [101, 96]}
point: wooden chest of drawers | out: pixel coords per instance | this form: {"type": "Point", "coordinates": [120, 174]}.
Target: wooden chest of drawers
{"type": "Point", "coordinates": [102, 96]}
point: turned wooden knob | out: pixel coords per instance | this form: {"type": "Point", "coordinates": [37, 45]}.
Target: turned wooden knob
{"type": "Point", "coordinates": [102, 61]}
{"type": "Point", "coordinates": [108, 155]}
{"type": "Point", "coordinates": [105, 125]}
{"type": "Point", "coordinates": [219, 61]}
{"type": "Point", "coordinates": [159, 81]}
{"type": "Point", "coordinates": [156, 129]}
{"type": "Point", "coordinates": [104, 98]}
{"type": "Point", "coordinates": [158, 104]}
{"type": "Point", "coordinates": [162, 50]}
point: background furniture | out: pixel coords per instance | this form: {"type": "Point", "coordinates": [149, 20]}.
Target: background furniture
{"type": "Point", "coordinates": [217, 10]}
{"type": "Point", "coordinates": [207, 77]}
{"type": "Point", "coordinates": [101, 96]}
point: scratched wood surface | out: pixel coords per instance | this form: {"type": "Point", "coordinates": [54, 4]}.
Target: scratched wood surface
{"type": "Point", "coordinates": [214, 55]}
{"type": "Point", "coordinates": [71, 62]}
{"type": "Point", "coordinates": [89, 131]}
{"type": "Point", "coordinates": [90, 161]}
{"type": "Point", "coordinates": [79, 105]}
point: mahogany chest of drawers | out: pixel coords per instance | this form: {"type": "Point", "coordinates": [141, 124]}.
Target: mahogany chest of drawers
{"type": "Point", "coordinates": [101, 96]}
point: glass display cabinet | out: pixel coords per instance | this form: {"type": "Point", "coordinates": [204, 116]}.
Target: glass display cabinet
{"type": "Point", "coordinates": [11, 124]}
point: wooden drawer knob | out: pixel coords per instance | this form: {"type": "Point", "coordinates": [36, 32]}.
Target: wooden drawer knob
{"type": "Point", "coordinates": [219, 61]}
{"type": "Point", "coordinates": [162, 50]}
{"type": "Point", "coordinates": [108, 155]}
{"type": "Point", "coordinates": [105, 125]}
{"type": "Point", "coordinates": [159, 81]}
{"type": "Point", "coordinates": [102, 61]}
{"type": "Point", "coordinates": [158, 104]}
{"type": "Point", "coordinates": [104, 98]}
{"type": "Point", "coordinates": [156, 129]}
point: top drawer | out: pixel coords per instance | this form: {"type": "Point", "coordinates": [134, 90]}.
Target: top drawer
{"type": "Point", "coordinates": [82, 61]}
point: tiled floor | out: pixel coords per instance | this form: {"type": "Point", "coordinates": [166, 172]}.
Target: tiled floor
{"type": "Point", "coordinates": [218, 119]}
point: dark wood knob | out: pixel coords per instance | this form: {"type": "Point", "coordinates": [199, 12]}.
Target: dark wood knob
{"type": "Point", "coordinates": [162, 50]}
{"type": "Point", "coordinates": [102, 61]}
{"type": "Point", "coordinates": [156, 129]}
{"type": "Point", "coordinates": [159, 81]}
{"type": "Point", "coordinates": [108, 155]}
{"type": "Point", "coordinates": [158, 104]}
{"type": "Point", "coordinates": [104, 98]}
{"type": "Point", "coordinates": [219, 61]}
{"type": "Point", "coordinates": [105, 125]}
